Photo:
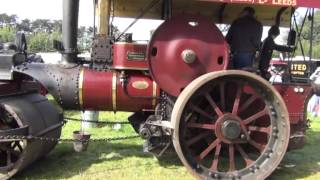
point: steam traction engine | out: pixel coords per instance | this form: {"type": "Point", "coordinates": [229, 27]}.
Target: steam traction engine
{"type": "Point", "coordinates": [224, 124]}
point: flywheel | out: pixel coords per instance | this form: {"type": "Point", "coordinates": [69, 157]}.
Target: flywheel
{"type": "Point", "coordinates": [184, 48]}
{"type": "Point", "coordinates": [230, 125]}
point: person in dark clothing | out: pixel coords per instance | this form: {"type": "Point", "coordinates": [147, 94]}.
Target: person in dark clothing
{"type": "Point", "coordinates": [244, 38]}
{"type": "Point", "coordinates": [268, 45]}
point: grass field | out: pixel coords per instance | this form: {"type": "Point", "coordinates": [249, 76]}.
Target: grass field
{"type": "Point", "coordinates": [125, 159]}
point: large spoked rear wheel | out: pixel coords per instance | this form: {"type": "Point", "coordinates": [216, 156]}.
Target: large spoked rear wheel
{"type": "Point", "coordinates": [230, 125]}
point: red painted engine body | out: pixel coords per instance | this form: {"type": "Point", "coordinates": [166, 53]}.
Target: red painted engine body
{"type": "Point", "coordinates": [296, 96]}
{"type": "Point", "coordinates": [129, 56]}
{"type": "Point", "coordinates": [169, 44]}
{"type": "Point", "coordinates": [106, 91]}
{"type": "Point", "coordinates": [126, 88]}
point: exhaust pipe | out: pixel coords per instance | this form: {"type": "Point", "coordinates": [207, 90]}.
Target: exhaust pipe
{"type": "Point", "coordinates": [70, 30]}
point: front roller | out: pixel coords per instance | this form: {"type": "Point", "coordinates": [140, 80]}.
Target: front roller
{"type": "Point", "coordinates": [230, 125]}
{"type": "Point", "coordinates": [21, 116]}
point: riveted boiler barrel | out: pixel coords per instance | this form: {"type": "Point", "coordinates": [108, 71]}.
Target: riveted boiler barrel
{"type": "Point", "coordinates": [108, 91]}
{"type": "Point", "coordinates": [24, 115]}
{"type": "Point", "coordinates": [75, 87]}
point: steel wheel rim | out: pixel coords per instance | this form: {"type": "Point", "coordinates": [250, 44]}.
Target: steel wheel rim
{"type": "Point", "coordinates": [17, 148]}
{"type": "Point", "coordinates": [270, 155]}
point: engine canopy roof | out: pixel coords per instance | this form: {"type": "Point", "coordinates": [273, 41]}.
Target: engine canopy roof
{"type": "Point", "coordinates": [220, 11]}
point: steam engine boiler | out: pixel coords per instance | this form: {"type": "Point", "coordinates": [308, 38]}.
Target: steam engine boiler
{"type": "Point", "coordinates": [179, 87]}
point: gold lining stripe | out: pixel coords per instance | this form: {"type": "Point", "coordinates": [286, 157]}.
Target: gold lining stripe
{"type": "Point", "coordinates": [130, 68]}
{"type": "Point", "coordinates": [81, 74]}
{"type": "Point", "coordinates": [114, 91]}
{"type": "Point", "coordinates": [154, 94]}
{"type": "Point", "coordinates": [130, 43]}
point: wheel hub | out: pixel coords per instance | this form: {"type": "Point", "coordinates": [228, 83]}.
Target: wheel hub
{"type": "Point", "coordinates": [228, 128]}
{"type": "Point", "coordinates": [231, 129]}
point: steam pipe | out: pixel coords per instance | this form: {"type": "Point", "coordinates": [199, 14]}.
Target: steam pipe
{"type": "Point", "coordinates": [70, 30]}
{"type": "Point", "coordinates": [279, 14]}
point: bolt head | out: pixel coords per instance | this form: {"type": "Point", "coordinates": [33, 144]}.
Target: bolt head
{"type": "Point", "coordinates": [188, 56]}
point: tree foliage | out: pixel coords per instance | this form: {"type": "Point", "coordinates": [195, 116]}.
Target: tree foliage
{"type": "Point", "coordinates": [40, 33]}
{"type": "Point", "coordinates": [7, 20]}
{"type": "Point", "coordinates": [308, 35]}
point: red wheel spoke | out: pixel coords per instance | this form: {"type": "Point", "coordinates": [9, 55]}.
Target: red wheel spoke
{"type": "Point", "coordinates": [240, 141]}
{"type": "Point", "coordinates": [244, 130]}
{"type": "Point", "coordinates": [209, 149]}
{"type": "Point", "coordinates": [260, 147]}
{"type": "Point", "coordinates": [222, 96]}
{"type": "Point", "coordinates": [202, 112]}
{"type": "Point", "coordinates": [201, 126]}
{"type": "Point", "coordinates": [244, 155]}
{"type": "Point", "coordinates": [214, 166]}
{"type": "Point", "coordinates": [247, 103]}
{"type": "Point", "coordinates": [260, 129]}
{"type": "Point", "coordinates": [256, 116]}
{"type": "Point", "coordinates": [214, 105]}
{"type": "Point", "coordinates": [197, 138]}
{"type": "Point", "coordinates": [232, 165]}
{"type": "Point", "coordinates": [237, 100]}
{"type": "Point", "coordinates": [188, 117]}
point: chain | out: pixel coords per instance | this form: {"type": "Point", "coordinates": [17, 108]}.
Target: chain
{"type": "Point", "coordinates": [96, 121]}
{"type": "Point", "coordinates": [163, 105]}
{"type": "Point", "coordinates": [30, 137]}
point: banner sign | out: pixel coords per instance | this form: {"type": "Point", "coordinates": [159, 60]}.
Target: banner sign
{"type": "Point", "coordinates": [295, 3]}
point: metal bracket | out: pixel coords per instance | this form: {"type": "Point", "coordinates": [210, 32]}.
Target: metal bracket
{"type": "Point", "coordinates": [23, 131]}
{"type": "Point", "coordinates": [159, 122]}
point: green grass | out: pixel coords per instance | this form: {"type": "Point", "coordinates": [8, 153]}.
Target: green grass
{"type": "Point", "coordinates": [103, 160]}
{"type": "Point", "coordinates": [125, 159]}
{"type": "Point", "coordinates": [306, 161]}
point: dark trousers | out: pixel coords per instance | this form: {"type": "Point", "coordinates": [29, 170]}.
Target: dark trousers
{"type": "Point", "coordinates": [264, 66]}
{"type": "Point", "coordinates": [242, 59]}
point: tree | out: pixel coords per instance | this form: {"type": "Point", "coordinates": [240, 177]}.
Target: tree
{"type": "Point", "coordinates": [13, 19]}
{"type": "Point", "coordinates": [25, 25]}
{"type": "Point", "coordinates": [307, 36]}
{"type": "Point", "coordinates": [115, 31]}
{"type": "Point", "coordinates": [306, 33]}
{"type": "Point", "coordinates": [42, 25]}
{"type": "Point", "coordinates": [6, 20]}
{"type": "Point", "coordinates": [57, 25]}
{"type": "Point", "coordinates": [40, 33]}
{"type": "Point", "coordinates": [85, 35]}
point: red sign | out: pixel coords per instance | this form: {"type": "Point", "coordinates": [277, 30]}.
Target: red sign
{"type": "Point", "coordinates": [296, 3]}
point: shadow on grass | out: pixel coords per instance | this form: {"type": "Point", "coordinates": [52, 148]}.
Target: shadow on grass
{"type": "Point", "coordinates": [299, 164]}
{"type": "Point", "coordinates": [169, 158]}
{"type": "Point", "coordinates": [64, 163]}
